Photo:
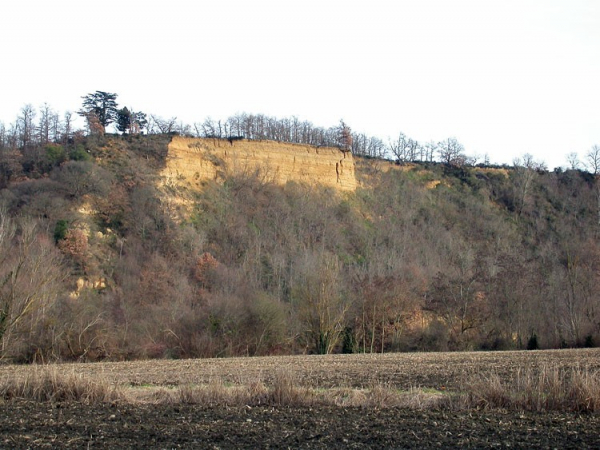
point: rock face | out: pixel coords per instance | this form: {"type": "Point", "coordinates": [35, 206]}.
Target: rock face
{"type": "Point", "coordinates": [195, 160]}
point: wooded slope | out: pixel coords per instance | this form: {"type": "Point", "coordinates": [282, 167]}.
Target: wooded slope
{"type": "Point", "coordinates": [426, 256]}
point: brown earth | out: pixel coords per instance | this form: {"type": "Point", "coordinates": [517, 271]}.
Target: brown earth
{"type": "Point", "coordinates": [26, 424]}
{"type": "Point", "coordinates": [72, 425]}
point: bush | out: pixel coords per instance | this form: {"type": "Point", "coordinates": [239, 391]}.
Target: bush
{"type": "Point", "coordinates": [56, 154]}
{"type": "Point", "coordinates": [589, 341]}
{"type": "Point", "coordinates": [60, 230]}
{"type": "Point", "coordinates": [79, 154]}
{"type": "Point", "coordinates": [532, 343]}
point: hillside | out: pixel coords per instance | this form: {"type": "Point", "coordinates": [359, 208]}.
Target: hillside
{"type": "Point", "coordinates": [162, 246]}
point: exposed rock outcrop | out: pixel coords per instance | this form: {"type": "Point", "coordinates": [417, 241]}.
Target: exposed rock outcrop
{"type": "Point", "coordinates": [195, 160]}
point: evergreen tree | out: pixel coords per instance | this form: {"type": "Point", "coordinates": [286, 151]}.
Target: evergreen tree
{"type": "Point", "coordinates": [100, 107]}
{"type": "Point", "coordinates": [123, 120]}
{"type": "Point", "coordinates": [130, 121]}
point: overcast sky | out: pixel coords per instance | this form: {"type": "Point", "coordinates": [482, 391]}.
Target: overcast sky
{"type": "Point", "coordinates": [504, 77]}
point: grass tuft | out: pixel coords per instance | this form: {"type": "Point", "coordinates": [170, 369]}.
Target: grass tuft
{"type": "Point", "coordinates": [50, 385]}
{"type": "Point", "coordinates": [285, 392]}
{"type": "Point", "coordinates": [544, 389]}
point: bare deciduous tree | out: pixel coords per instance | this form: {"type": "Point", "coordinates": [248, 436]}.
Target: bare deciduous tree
{"type": "Point", "coordinates": [429, 151]}
{"type": "Point", "coordinates": [593, 165]}
{"type": "Point", "coordinates": [47, 129]}
{"type": "Point", "coordinates": [164, 126]}
{"type": "Point", "coordinates": [67, 127]}
{"type": "Point", "coordinates": [399, 147]}
{"type": "Point", "coordinates": [573, 160]}
{"type": "Point", "coordinates": [30, 270]}
{"type": "Point", "coordinates": [26, 126]}
{"type": "Point", "coordinates": [321, 306]}
{"type": "Point", "coordinates": [451, 152]}
{"type": "Point", "coordinates": [592, 159]}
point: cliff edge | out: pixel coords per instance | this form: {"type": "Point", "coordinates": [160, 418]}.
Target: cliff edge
{"type": "Point", "coordinates": [196, 160]}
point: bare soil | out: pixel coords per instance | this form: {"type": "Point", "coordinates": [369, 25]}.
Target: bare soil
{"type": "Point", "coordinates": [31, 425]}
{"type": "Point", "coordinates": [26, 424]}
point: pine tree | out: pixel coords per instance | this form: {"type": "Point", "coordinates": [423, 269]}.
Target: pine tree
{"type": "Point", "coordinates": [100, 107]}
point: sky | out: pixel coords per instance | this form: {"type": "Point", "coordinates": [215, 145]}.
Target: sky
{"type": "Point", "coordinates": [504, 77]}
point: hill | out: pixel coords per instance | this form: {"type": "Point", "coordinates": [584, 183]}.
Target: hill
{"type": "Point", "coordinates": [160, 246]}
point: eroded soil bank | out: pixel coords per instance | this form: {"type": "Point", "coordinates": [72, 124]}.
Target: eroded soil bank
{"type": "Point", "coordinates": [34, 425]}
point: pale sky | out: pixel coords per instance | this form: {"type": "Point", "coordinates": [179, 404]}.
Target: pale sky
{"type": "Point", "coordinates": [504, 77]}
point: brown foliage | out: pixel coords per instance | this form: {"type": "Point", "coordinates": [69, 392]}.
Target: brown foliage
{"type": "Point", "coordinates": [204, 269]}
{"type": "Point", "coordinates": [75, 245]}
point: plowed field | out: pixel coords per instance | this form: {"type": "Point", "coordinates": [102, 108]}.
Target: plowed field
{"type": "Point", "coordinates": [26, 424]}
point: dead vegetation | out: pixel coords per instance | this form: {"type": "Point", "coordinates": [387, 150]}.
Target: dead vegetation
{"type": "Point", "coordinates": [530, 385]}
{"type": "Point", "coordinates": [548, 389]}
{"type": "Point", "coordinates": [48, 384]}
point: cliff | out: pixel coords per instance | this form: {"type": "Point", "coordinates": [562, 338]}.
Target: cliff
{"type": "Point", "coordinates": [195, 160]}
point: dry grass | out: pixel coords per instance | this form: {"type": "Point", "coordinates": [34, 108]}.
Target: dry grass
{"type": "Point", "coordinates": [545, 389]}
{"type": "Point", "coordinates": [289, 395]}
{"type": "Point", "coordinates": [538, 381]}
{"type": "Point", "coordinates": [47, 384]}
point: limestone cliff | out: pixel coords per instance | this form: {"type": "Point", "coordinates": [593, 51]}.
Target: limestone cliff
{"type": "Point", "coordinates": [195, 160]}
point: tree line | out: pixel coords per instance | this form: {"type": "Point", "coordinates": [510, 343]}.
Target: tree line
{"type": "Point", "coordinates": [100, 110]}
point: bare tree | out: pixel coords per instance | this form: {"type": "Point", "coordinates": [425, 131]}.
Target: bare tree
{"type": "Point", "coordinates": [429, 151]}
{"type": "Point", "coordinates": [399, 148]}
{"type": "Point", "coordinates": [26, 126]}
{"type": "Point", "coordinates": [164, 126]}
{"type": "Point", "coordinates": [412, 149]}
{"type": "Point", "coordinates": [211, 128]}
{"type": "Point", "coordinates": [451, 151]}
{"type": "Point", "coordinates": [368, 146]}
{"type": "Point", "coordinates": [573, 160]}
{"type": "Point", "coordinates": [30, 270]}
{"type": "Point", "coordinates": [67, 127]}
{"type": "Point", "coordinates": [593, 165]}
{"type": "Point", "coordinates": [525, 169]}
{"type": "Point", "coordinates": [47, 125]}
{"type": "Point", "coordinates": [3, 136]}
{"type": "Point", "coordinates": [321, 306]}
{"type": "Point", "coordinates": [592, 159]}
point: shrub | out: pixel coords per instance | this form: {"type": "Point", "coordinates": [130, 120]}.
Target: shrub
{"type": "Point", "coordinates": [79, 154]}
{"type": "Point", "coordinates": [56, 154]}
{"type": "Point", "coordinates": [532, 343]}
{"type": "Point", "coordinates": [60, 230]}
